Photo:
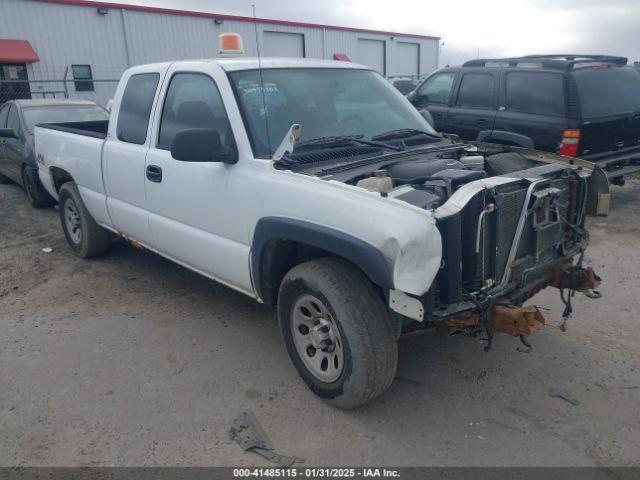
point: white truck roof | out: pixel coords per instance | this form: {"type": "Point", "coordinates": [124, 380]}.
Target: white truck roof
{"type": "Point", "coordinates": [231, 64]}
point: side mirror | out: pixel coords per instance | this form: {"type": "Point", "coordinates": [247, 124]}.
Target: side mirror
{"type": "Point", "coordinates": [427, 116]}
{"type": "Point", "coordinates": [7, 133]}
{"type": "Point", "coordinates": [201, 145]}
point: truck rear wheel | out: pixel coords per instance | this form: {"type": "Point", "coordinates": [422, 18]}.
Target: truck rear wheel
{"type": "Point", "coordinates": [337, 333]}
{"type": "Point", "coordinates": [85, 237]}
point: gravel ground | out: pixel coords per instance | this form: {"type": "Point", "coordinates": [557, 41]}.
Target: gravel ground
{"type": "Point", "coordinates": [131, 360]}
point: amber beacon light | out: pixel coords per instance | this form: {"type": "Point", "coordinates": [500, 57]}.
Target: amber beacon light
{"type": "Point", "coordinates": [231, 44]}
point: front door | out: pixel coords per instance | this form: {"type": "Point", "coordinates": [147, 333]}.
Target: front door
{"type": "Point", "coordinates": [193, 205]}
{"type": "Point", "coordinates": [434, 95]}
{"type": "Point", "coordinates": [4, 113]}
{"type": "Point", "coordinates": [475, 106]}
{"type": "Point", "coordinates": [13, 147]}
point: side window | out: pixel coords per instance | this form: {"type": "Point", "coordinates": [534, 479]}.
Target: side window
{"type": "Point", "coordinates": [13, 120]}
{"type": "Point", "coordinates": [477, 90]}
{"type": "Point", "coordinates": [531, 92]}
{"type": "Point", "coordinates": [192, 101]}
{"type": "Point", "coordinates": [4, 112]}
{"type": "Point", "coordinates": [437, 89]}
{"type": "Point", "coordinates": [135, 107]}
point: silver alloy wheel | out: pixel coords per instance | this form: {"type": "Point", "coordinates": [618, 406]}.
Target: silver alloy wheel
{"type": "Point", "coordinates": [317, 338]}
{"type": "Point", "coordinates": [72, 221]}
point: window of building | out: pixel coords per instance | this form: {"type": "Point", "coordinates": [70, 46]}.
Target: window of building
{"type": "Point", "coordinates": [192, 101]}
{"type": "Point", "coordinates": [83, 78]}
{"type": "Point", "coordinates": [135, 107]}
{"type": "Point", "coordinates": [477, 90]}
{"type": "Point", "coordinates": [533, 92]}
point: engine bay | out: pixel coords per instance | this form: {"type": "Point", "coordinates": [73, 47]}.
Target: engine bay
{"type": "Point", "coordinates": [429, 182]}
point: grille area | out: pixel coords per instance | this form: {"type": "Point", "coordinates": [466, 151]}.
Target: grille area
{"type": "Point", "coordinates": [540, 241]}
{"type": "Point", "coordinates": [508, 213]}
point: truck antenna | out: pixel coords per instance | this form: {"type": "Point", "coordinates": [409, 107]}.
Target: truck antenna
{"type": "Point", "coordinates": [264, 100]}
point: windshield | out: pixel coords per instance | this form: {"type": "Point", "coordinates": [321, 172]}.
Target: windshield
{"type": "Point", "coordinates": [325, 102]}
{"type": "Point", "coordinates": [608, 91]}
{"type": "Point", "coordinates": [62, 113]}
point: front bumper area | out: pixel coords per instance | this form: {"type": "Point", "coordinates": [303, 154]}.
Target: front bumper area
{"type": "Point", "coordinates": [505, 316]}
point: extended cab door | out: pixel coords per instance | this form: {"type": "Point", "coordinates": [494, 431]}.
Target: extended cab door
{"type": "Point", "coordinates": [125, 152]}
{"type": "Point", "coordinates": [198, 209]}
{"type": "Point", "coordinates": [434, 95]}
{"type": "Point", "coordinates": [475, 106]}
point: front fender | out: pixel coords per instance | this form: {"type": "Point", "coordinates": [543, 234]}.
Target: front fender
{"type": "Point", "coordinates": [407, 259]}
{"type": "Point", "coordinates": [364, 255]}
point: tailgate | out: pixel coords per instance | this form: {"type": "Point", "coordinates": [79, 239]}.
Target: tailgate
{"type": "Point", "coordinates": [614, 144]}
{"type": "Point", "coordinates": [610, 135]}
{"type": "Point", "coordinates": [609, 100]}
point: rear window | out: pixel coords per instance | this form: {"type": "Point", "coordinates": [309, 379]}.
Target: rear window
{"type": "Point", "coordinates": [135, 107]}
{"type": "Point", "coordinates": [608, 91]}
{"type": "Point", "coordinates": [477, 90]}
{"type": "Point", "coordinates": [62, 114]}
{"type": "Point", "coordinates": [532, 92]}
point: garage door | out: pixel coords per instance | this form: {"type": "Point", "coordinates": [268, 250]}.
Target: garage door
{"type": "Point", "coordinates": [281, 44]}
{"type": "Point", "coordinates": [371, 54]}
{"type": "Point", "coordinates": [407, 58]}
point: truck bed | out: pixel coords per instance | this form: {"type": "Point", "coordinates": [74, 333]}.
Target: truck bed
{"type": "Point", "coordinates": [74, 148]}
{"type": "Point", "coordinates": [96, 129]}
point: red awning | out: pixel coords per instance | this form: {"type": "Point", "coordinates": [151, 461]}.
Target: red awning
{"type": "Point", "coordinates": [17, 51]}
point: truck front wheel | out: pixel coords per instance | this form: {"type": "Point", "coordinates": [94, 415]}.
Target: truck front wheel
{"type": "Point", "coordinates": [85, 237]}
{"type": "Point", "coordinates": [336, 330]}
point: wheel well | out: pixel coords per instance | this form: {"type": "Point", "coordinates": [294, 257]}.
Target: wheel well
{"type": "Point", "coordinates": [60, 177]}
{"type": "Point", "coordinates": [278, 257]}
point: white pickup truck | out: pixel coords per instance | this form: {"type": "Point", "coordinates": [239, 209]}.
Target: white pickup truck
{"type": "Point", "coordinates": [315, 186]}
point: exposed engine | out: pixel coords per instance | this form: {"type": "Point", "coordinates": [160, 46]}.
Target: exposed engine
{"type": "Point", "coordinates": [430, 182]}
{"type": "Point", "coordinates": [503, 235]}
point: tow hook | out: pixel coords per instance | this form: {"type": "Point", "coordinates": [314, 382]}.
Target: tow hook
{"type": "Point", "coordinates": [577, 279]}
{"type": "Point", "coordinates": [570, 279]}
{"type": "Point", "coordinates": [594, 294]}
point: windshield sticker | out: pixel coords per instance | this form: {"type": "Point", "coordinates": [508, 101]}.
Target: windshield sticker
{"type": "Point", "coordinates": [252, 94]}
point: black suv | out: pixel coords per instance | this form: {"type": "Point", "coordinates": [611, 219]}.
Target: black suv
{"type": "Point", "coordinates": [584, 106]}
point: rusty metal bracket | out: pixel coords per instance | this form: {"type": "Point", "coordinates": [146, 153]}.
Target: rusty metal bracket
{"type": "Point", "coordinates": [575, 278]}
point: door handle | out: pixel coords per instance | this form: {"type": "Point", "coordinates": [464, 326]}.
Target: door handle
{"type": "Point", "coordinates": [439, 115]}
{"type": "Point", "coordinates": [482, 121]}
{"type": "Point", "coordinates": [154, 173]}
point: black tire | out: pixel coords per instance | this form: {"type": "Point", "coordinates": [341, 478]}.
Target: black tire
{"type": "Point", "coordinates": [4, 179]}
{"type": "Point", "coordinates": [37, 196]}
{"type": "Point", "coordinates": [356, 308]}
{"type": "Point", "coordinates": [92, 240]}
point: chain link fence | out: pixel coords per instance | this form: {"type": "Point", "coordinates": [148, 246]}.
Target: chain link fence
{"type": "Point", "coordinates": [58, 84]}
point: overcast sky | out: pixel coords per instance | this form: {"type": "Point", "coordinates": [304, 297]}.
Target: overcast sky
{"type": "Point", "coordinates": [468, 27]}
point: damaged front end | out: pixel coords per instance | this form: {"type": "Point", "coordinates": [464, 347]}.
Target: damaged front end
{"type": "Point", "coordinates": [504, 239]}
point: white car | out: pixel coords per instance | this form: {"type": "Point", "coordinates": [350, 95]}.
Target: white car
{"type": "Point", "coordinates": [315, 186]}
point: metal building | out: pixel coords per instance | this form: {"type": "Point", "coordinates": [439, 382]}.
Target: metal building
{"type": "Point", "coordinates": [79, 48]}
